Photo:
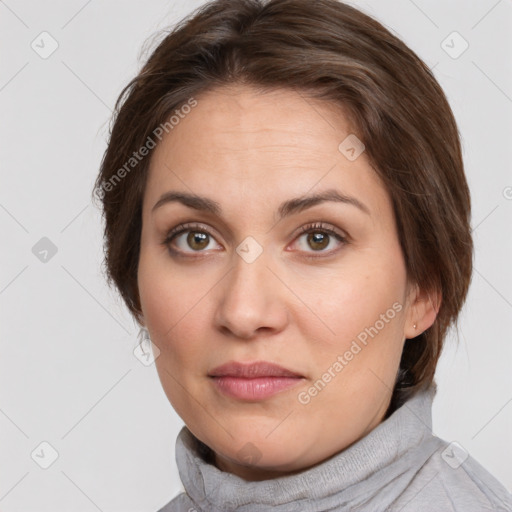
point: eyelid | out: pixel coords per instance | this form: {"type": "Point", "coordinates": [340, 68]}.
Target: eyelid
{"type": "Point", "coordinates": [187, 226]}
{"type": "Point", "coordinates": [322, 226]}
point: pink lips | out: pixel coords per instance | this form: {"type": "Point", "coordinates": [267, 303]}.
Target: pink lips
{"type": "Point", "coordinates": [255, 381]}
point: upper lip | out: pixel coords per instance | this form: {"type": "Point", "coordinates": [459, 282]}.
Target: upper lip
{"type": "Point", "coordinates": [252, 370]}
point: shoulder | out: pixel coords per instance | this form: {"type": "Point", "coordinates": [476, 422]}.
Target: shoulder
{"type": "Point", "coordinates": [452, 480]}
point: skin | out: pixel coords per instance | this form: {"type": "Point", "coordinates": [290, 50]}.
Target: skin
{"type": "Point", "coordinates": [300, 304]}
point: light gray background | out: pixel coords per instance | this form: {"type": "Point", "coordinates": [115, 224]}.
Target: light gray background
{"type": "Point", "coordinates": [68, 375]}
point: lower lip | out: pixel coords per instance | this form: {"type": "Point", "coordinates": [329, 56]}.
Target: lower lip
{"type": "Point", "coordinates": [255, 388]}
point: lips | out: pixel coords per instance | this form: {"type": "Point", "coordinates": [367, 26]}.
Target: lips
{"type": "Point", "coordinates": [255, 381]}
{"type": "Point", "coordinates": [252, 370]}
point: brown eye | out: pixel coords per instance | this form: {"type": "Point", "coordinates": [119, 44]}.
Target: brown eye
{"type": "Point", "coordinates": [321, 239]}
{"type": "Point", "coordinates": [318, 240]}
{"type": "Point", "coordinates": [189, 239]}
{"type": "Point", "coordinates": [197, 240]}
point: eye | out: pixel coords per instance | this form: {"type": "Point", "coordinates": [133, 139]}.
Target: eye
{"type": "Point", "coordinates": [319, 237]}
{"type": "Point", "coordinates": [198, 239]}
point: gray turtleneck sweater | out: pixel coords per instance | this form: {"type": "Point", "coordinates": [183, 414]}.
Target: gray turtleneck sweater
{"type": "Point", "coordinates": [400, 466]}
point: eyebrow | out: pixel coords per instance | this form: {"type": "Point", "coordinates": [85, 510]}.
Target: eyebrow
{"type": "Point", "coordinates": [287, 208]}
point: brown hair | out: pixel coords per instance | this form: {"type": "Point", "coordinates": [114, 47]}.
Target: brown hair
{"type": "Point", "coordinates": [329, 50]}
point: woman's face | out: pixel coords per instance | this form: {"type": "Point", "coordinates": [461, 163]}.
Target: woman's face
{"type": "Point", "coordinates": [243, 283]}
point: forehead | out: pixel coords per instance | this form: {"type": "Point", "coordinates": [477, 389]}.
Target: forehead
{"type": "Point", "coordinates": [259, 145]}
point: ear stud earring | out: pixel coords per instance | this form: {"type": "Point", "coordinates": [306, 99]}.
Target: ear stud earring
{"type": "Point", "coordinates": [414, 326]}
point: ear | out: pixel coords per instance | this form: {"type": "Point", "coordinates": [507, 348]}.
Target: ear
{"type": "Point", "coordinates": [423, 307]}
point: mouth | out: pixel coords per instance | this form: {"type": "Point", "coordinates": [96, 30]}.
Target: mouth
{"type": "Point", "coordinates": [252, 370]}
{"type": "Point", "coordinates": [255, 381]}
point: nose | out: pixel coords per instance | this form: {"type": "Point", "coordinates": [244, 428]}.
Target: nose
{"type": "Point", "coordinates": [252, 300]}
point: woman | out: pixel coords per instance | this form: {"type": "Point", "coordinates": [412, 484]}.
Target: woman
{"type": "Point", "coordinates": [287, 217]}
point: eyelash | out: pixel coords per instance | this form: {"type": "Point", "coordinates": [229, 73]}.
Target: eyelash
{"type": "Point", "coordinates": [308, 228]}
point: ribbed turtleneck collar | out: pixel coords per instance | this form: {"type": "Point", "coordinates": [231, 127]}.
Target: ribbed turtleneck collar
{"type": "Point", "coordinates": [392, 452]}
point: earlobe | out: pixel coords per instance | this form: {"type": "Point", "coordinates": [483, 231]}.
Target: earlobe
{"type": "Point", "coordinates": [422, 313]}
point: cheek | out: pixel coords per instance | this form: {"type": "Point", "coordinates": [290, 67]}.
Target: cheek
{"type": "Point", "coordinates": [166, 296]}
{"type": "Point", "coordinates": [353, 297]}
{"type": "Point", "coordinates": [363, 307]}
{"type": "Point", "coordinates": [172, 310]}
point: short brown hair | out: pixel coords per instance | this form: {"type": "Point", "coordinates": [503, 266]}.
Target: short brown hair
{"type": "Point", "coordinates": [329, 50]}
